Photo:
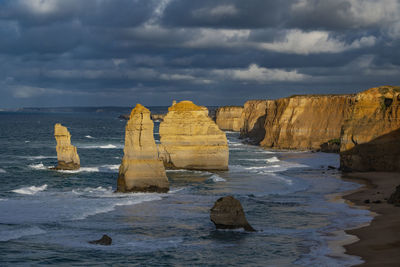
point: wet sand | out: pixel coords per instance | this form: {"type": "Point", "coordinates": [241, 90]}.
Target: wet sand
{"type": "Point", "coordinates": [379, 243]}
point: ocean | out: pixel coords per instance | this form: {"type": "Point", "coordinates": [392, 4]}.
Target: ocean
{"type": "Point", "coordinates": [48, 217]}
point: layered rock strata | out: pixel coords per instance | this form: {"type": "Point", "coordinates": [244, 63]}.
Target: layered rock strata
{"type": "Point", "coordinates": [141, 169]}
{"type": "Point", "coordinates": [229, 118]}
{"type": "Point", "coordinates": [227, 213]}
{"type": "Point", "coordinates": [305, 122]}
{"type": "Point", "coordinates": [371, 132]}
{"type": "Point", "coordinates": [191, 140]}
{"type": "Point", "coordinates": [67, 154]}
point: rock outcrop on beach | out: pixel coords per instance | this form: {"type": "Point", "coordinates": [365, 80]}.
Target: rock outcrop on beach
{"type": "Point", "coordinates": [306, 121]}
{"type": "Point", "coordinates": [141, 169]}
{"type": "Point", "coordinates": [105, 240]}
{"type": "Point", "coordinates": [395, 197]}
{"type": "Point", "coordinates": [229, 118]}
{"type": "Point", "coordinates": [371, 132]}
{"type": "Point", "coordinates": [67, 154]}
{"type": "Point", "coordinates": [191, 140]}
{"type": "Point", "coordinates": [227, 213]}
{"type": "Point", "coordinates": [253, 116]}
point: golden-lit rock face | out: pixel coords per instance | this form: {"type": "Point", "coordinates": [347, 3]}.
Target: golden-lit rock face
{"type": "Point", "coordinates": [253, 116]}
{"type": "Point", "coordinates": [229, 118]}
{"type": "Point", "coordinates": [305, 122]}
{"type": "Point", "coordinates": [67, 154]}
{"type": "Point", "coordinates": [191, 140]}
{"type": "Point", "coordinates": [371, 139]}
{"type": "Point", "coordinates": [141, 169]}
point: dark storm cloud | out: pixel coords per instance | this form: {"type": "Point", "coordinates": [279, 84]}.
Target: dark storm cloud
{"type": "Point", "coordinates": [119, 52]}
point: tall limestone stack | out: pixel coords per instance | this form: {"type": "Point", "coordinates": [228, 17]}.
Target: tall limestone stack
{"type": "Point", "coordinates": [229, 118]}
{"type": "Point", "coordinates": [371, 132]}
{"type": "Point", "coordinates": [191, 140]}
{"type": "Point", "coordinates": [67, 154]}
{"type": "Point", "coordinates": [141, 169]}
{"type": "Point", "coordinates": [305, 122]}
{"type": "Point", "coordinates": [253, 116]}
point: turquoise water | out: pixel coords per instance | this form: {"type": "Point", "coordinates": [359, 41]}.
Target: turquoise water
{"type": "Point", "coordinates": [47, 217]}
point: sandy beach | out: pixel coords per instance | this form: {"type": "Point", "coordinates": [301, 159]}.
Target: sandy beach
{"type": "Point", "coordinates": [379, 243]}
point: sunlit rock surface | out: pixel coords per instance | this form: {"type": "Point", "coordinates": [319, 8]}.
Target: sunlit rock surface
{"type": "Point", "coordinates": [67, 154]}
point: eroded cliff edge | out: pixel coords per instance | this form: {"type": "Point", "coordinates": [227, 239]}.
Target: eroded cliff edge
{"type": "Point", "coordinates": [370, 138]}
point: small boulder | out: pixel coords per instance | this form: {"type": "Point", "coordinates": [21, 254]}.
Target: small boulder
{"type": "Point", "coordinates": [104, 241]}
{"type": "Point", "coordinates": [227, 213]}
{"type": "Point", "coordinates": [395, 197]}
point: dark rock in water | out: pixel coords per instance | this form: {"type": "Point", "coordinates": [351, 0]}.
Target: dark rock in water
{"type": "Point", "coordinates": [395, 197]}
{"type": "Point", "coordinates": [227, 213]}
{"type": "Point", "coordinates": [377, 201]}
{"type": "Point", "coordinates": [124, 116]}
{"type": "Point", "coordinates": [105, 241]}
{"type": "Point", "coordinates": [331, 167]}
{"type": "Point", "coordinates": [332, 146]}
{"type": "Point", "coordinates": [367, 201]}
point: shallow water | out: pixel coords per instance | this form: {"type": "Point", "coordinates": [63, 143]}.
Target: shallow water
{"type": "Point", "coordinates": [47, 217]}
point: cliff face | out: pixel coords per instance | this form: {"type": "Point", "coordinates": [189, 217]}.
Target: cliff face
{"type": "Point", "coordinates": [371, 136]}
{"type": "Point", "coordinates": [305, 122]}
{"type": "Point", "coordinates": [141, 169]}
{"type": "Point", "coordinates": [67, 154]}
{"type": "Point", "coordinates": [253, 116]}
{"type": "Point", "coordinates": [191, 140]}
{"type": "Point", "coordinates": [229, 118]}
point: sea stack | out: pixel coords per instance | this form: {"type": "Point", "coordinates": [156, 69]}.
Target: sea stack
{"type": "Point", "coordinates": [229, 118]}
{"type": "Point", "coordinates": [190, 139]}
{"type": "Point", "coordinates": [227, 213]}
{"type": "Point", "coordinates": [141, 169]}
{"type": "Point", "coordinates": [67, 154]}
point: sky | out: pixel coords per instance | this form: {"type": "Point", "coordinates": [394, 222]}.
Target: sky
{"type": "Point", "coordinates": [123, 52]}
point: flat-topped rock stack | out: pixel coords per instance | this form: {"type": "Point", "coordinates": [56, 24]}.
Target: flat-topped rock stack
{"type": "Point", "coordinates": [229, 118]}
{"type": "Point", "coordinates": [190, 139]}
{"type": "Point", "coordinates": [141, 169]}
{"type": "Point", "coordinates": [67, 154]}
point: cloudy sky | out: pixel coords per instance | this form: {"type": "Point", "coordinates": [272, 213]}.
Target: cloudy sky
{"type": "Point", "coordinates": [120, 52]}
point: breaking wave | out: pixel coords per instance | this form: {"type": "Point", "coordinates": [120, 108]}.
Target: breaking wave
{"type": "Point", "coordinates": [30, 190]}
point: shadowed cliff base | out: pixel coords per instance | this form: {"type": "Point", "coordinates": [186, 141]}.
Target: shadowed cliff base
{"type": "Point", "coordinates": [380, 154]}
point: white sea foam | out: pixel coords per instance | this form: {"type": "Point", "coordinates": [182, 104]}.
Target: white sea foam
{"type": "Point", "coordinates": [103, 168]}
{"type": "Point", "coordinates": [273, 159]}
{"type": "Point", "coordinates": [88, 136]}
{"type": "Point", "coordinates": [18, 233]}
{"type": "Point", "coordinates": [27, 141]}
{"type": "Point", "coordinates": [2, 171]}
{"type": "Point", "coordinates": [216, 178]}
{"type": "Point", "coordinates": [38, 166]}
{"type": "Point", "coordinates": [30, 190]}
{"type": "Point", "coordinates": [108, 146]}
{"type": "Point", "coordinates": [40, 157]}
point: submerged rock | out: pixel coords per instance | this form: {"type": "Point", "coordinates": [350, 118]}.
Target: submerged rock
{"type": "Point", "coordinates": [67, 154]}
{"type": "Point", "coordinates": [191, 140]}
{"type": "Point", "coordinates": [395, 197]}
{"type": "Point", "coordinates": [227, 213]}
{"type": "Point", "coordinates": [104, 241]}
{"type": "Point", "coordinates": [141, 169]}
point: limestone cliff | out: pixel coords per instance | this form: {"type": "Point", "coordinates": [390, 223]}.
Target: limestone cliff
{"type": "Point", "coordinates": [141, 169]}
{"type": "Point", "coordinates": [371, 135]}
{"type": "Point", "coordinates": [191, 140]}
{"type": "Point", "coordinates": [305, 122]}
{"type": "Point", "coordinates": [229, 118]}
{"type": "Point", "coordinates": [253, 116]}
{"type": "Point", "coordinates": [67, 154]}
